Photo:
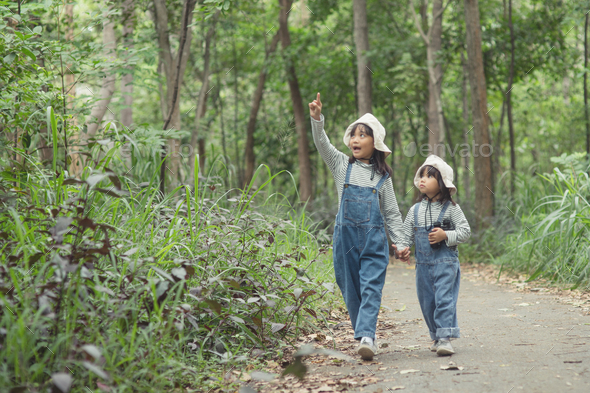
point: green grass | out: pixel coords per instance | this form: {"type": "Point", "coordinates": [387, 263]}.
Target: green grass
{"type": "Point", "coordinates": [544, 231]}
{"type": "Point", "coordinates": [105, 283]}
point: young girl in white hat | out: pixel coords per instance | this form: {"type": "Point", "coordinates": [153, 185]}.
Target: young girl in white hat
{"type": "Point", "coordinates": [366, 202]}
{"type": "Point", "coordinates": [437, 259]}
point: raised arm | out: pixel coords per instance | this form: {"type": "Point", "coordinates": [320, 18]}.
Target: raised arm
{"type": "Point", "coordinates": [331, 156]}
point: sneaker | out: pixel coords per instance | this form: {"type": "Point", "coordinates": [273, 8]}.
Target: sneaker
{"type": "Point", "coordinates": [434, 346]}
{"type": "Point", "coordinates": [367, 350]}
{"type": "Point", "coordinates": [444, 348]}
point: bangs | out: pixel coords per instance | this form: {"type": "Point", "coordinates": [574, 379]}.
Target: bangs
{"type": "Point", "coordinates": [365, 128]}
{"type": "Point", "coordinates": [430, 170]}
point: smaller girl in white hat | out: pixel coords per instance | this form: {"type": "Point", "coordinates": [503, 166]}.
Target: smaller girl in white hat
{"type": "Point", "coordinates": [366, 202]}
{"type": "Point", "coordinates": [437, 225]}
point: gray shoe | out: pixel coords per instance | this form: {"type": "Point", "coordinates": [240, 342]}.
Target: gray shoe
{"type": "Point", "coordinates": [434, 346]}
{"type": "Point", "coordinates": [366, 350]}
{"type": "Point", "coordinates": [444, 348]}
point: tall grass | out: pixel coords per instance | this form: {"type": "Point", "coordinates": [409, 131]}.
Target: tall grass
{"type": "Point", "coordinates": [106, 284]}
{"type": "Point", "coordinates": [551, 233]}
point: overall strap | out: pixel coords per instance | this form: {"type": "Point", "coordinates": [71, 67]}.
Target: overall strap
{"type": "Point", "coordinates": [348, 170]}
{"type": "Point", "coordinates": [383, 178]}
{"type": "Point", "coordinates": [416, 208]}
{"type": "Point", "coordinates": [442, 212]}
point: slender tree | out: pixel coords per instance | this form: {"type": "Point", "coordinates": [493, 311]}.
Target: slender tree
{"type": "Point", "coordinates": [128, 13]}
{"type": "Point", "coordinates": [174, 67]}
{"type": "Point", "coordinates": [433, 40]}
{"type": "Point", "coordinates": [256, 100]}
{"type": "Point", "coordinates": [477, 83]}
{"type": "Point", "coordinates": [297, 102]}
{"type": "Point", "coordinates": [509, 101]}
{"type": "Point", "coordinates": [361, 41]}
{"type": "Point", "coordinates": [197, 140]}
{"type": "Point", "coordinates": [465, 112]}
{"type": "Point", "coordinates": [587, 117]}
{"type": "Point", "coordinates": [108, 82]}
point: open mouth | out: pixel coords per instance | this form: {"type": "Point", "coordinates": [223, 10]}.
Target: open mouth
{"type": "Point", "coordinates": [356, 149]}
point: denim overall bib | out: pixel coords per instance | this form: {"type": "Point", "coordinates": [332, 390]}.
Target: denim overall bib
{"type": "Point", "coordinates": [361, 254]}
{"type": "Point", "coordinates": [437, 282]}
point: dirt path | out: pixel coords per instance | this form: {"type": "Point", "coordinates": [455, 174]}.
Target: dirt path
{"type": "Point", "coordinates": [511, 342]}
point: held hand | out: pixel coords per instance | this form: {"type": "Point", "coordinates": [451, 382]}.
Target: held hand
{"type": "Point", "coordinates": [315, 108]}
{"type": "Point", "coordinates": [404, 255]}
{"type": "Point", "coordinates": [437, 235]}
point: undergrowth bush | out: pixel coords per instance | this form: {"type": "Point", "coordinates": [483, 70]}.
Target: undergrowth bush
{"type": "Point", "coordinates": [544, 230]}
{"type": "Point", "coordinates": [108, 285]}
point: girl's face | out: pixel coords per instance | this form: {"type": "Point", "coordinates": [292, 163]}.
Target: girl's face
{"type": "Point", "coordinates": [362, 144]}
{"type": "Point", "coordinates": [428, 184]}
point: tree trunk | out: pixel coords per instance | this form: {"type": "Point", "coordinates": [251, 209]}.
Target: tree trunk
{"type": "Point", "coordinates": [361, 41]}
{"type": "Point", "coordinates": [127, 79]}
{"type": "Point", "coordinates": [466, 163]}
{"type": "Point", "coordinates": [174, 67]}
{"type": "Point", "coordinates": [433, 40]}
{"type": "Point", "coordinates": [240, 174]}
{"type": "Point", "coordinates": [482, 165]}
{"type": "Point", "coordinates": [256, 100]}
{"type": "Point", "coordinates": [497, 143]}
{"type": "Point", "coordinates": [69, 36]}
{"type": "Point", "coordinates": [586, 87]}
{"type": "Point", "coordinates": [76, 165]}
{"type": "Point", "coordinates": [163, 107]}
{"type": "Point", "coordinates": [196, 138]}
{"type": "Point", "coordinates": [219, 109]}
{"type": "Point", "coordinates": [108, 83]}
{"type": "Point", "coordinates": [300, 119]}
{"type": "Point", "coordinates": [509, 101]}
{"type": "Point", "coordinates": [436, 137]}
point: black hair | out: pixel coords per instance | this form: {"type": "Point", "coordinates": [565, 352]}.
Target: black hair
{"type": "Point", "coordinates": [445, 193]}
{"type": "Point", "coordinates": [378, 157]}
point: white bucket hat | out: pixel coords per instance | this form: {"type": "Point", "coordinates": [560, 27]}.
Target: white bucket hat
{"type": "Point", "coordinates": [378, 132]}
{"type": "Point", "coordinates": [445, 170]}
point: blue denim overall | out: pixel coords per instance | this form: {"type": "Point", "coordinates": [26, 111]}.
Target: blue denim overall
{"type": "Point", "coordinates": [437, 282]}
{"type": "Point", "coordinates": [361, 254]}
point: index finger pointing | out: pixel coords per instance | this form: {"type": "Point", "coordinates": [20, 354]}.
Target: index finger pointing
{"type": "Point", "coordinates": [319, 98]}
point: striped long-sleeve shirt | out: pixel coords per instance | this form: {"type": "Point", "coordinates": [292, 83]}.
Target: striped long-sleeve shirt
{"type": "Point", "coordinates": [360, 175]}
{"type": "Point", "coordinates": [462, 230]}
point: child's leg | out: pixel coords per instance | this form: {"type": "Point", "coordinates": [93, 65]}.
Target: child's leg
{"type": "Point", "coordinates": [446, 287]}
{"type": "Point", "coordinates": [426, 296]}
{"type": "Point", "coordinates": [372, 278]}
{"type": "Point", "coordinates": [346, 270]}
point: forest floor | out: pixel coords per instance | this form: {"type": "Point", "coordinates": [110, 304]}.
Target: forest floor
{"type": "Point", "coordinates": [516, 337]}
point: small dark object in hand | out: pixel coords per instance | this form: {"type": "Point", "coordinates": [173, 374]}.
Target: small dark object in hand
{"type": "Point", "coordinates": [446, 225]}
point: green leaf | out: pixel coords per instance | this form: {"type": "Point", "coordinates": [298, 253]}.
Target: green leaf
{"type": "Point", "coordinates": [9, 58]}
{"type": "Point", "coordinates": [37, 30]}
{"type": "Point", "coordinates": [29, 53]}
{"type": "Point", "coordinates": [215, 306]}
{"type": "Point", "coordinates": [111, 192]}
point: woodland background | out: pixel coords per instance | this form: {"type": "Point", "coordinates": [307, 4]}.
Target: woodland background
{"type": "Point", "coordinates": [162, 197]}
